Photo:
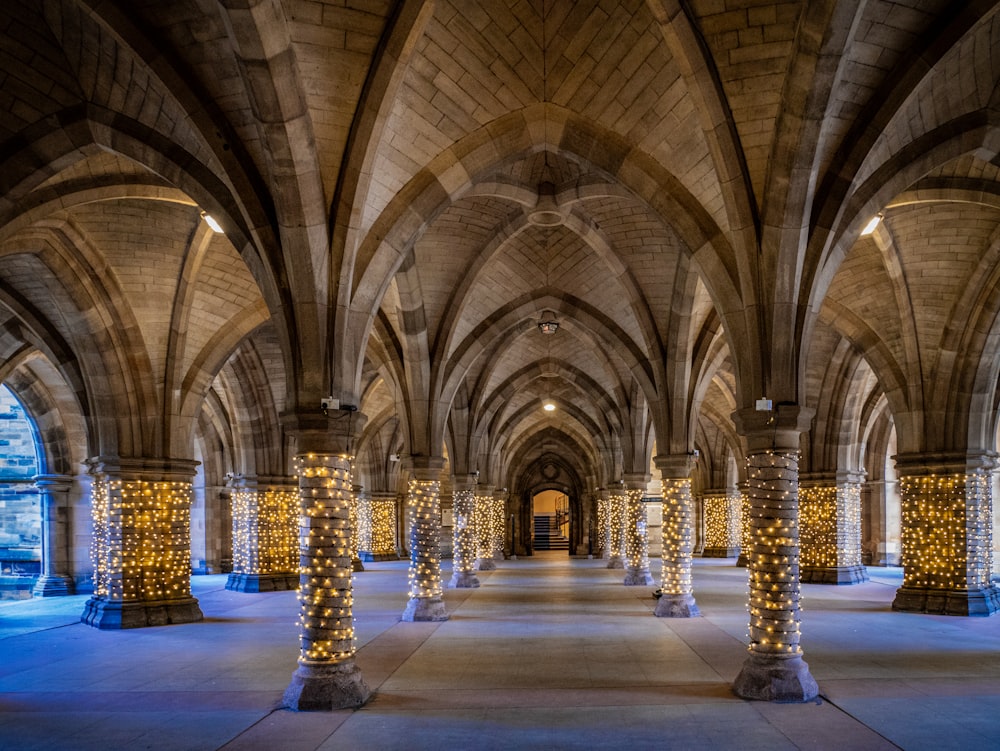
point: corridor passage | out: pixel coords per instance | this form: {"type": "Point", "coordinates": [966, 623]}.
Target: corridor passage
{"type": "Point", "coordinates": [550, 653]}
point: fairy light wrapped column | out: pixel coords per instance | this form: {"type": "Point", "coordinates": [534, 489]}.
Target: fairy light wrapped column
{"type": "Point", "coordinates": [141, 545]}
{"type": "Point", "coordinates": [498, 526]}
{"type": "Point", "coordinates": [774, 670]}
{"type": "Point", "coordinates": [265, 534]}
{"type": "Point", "coordinates": [722, 523]}
{"type": "Point", "coordinates": [636, 533]}
{"type": "Point", "coordinates": [356, 496]}
{"type": "Point", "coordinates": [947, 534]}
{"type": "Point", "coordinates": [483, 528]}
{"type": "Point", "coordinates": [617, 501]}
{"type": "Point", "coordinates": [464, 556]}
{"type": "Point", "coordinates": [830, 529]}
{"type": "Point", "coordinates": [424, 505]}
{"type": "Point", "coordinates": [52, 491]}
{"type": "Point", "coordinates": [327, 676]}
{"type": "Point", "coordinates": [677, 591]}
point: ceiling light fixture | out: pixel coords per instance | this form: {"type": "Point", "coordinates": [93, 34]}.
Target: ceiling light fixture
{"type": "Point", "coordinates": [549, 406]}
{"type": "Point", "coordinates": [212, 222]}
{"type": "Point", "coordinates": [872, 224]}
{"type": "Point", "coordinates": [548, 324]}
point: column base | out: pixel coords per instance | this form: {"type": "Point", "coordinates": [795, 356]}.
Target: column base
{"type": "Point", "coordinates": [616, 561]}
{"type": "Point", "coordinates": [743, 561]}
{"type": "Point", "coordinates": [968, 602]}
{"type": "Point", "coordinates": [485, 564]}
{"type": "Point", "coordinates": [637, 577]}
{"type": "Point", "coordinates": [262, 582]}
{"type": "Point", "coordinates": [370, 557]}
{"type": "Point", "coordinates": [782, 679]}
{"type": "Point", "coordinates": [463, 581]}
{"type": "Point", "coordinates": [719, 552]}
{"type": "Point", "coordinates": [833, 574]}
{"type": "Point", "coordinates": [52, 585]}
{"type": "Point", "coordinates": [676, 606]}
{"type": "Point", "coordinates": [323, 687]}
{"type": "Point", "coordinates": [356, 564]}
{"type": "Point", "coordinates": [108, 614]}
{"type": "Point", "coordinates": [425, 609]}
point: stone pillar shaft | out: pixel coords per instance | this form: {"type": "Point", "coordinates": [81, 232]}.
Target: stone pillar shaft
{"type": "Point", "coordinates": [464, 555]}
{"type": "Point", "coordinates": [775, 670]}
{"type": "Point", "coordinates": [498, 524]}
{"type": "Point", "coordinates": [722, 524]}
{"type": "Point", "coordinates": [141, 547]}
{"type": "Point", "coordinates": [947, 531]}
{"type": "Point", "coordinates": [265, 535]}
{"type": "Point", "coordinates": [830, 533]}
{"type": "Point", "coordinates": [636, 534]}
{"type": "Point", "coordinates": [617, 504]}
{"type": "Point", "coordinates": [53, 581]}
{"type": "Point", "coordinates": [483, 528]}
{"type": "Point", "coordinates": [424, 504]}
{"type": "Point", "coordinates": [676, 587]}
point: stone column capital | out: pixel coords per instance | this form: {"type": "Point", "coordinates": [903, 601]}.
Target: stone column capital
{"type": "Point", "coordinates": [163, 469]}
{"type": "Point", "coordinates": [944, 463]}
{"type": "Point", "coordinates": [779, 429]}
{"type": "Point", "coordinates": [424, 468]}
{"type": "Point", "coordinates": [636, 480]}
{"type": "Point", "coordinates": [53, 483]}
{"type": "Point", "coordinates": [324, 432]}
{"type": "Point", "coordinates": [674, 466]}
{"type": "Point", "coordinates": [464, 482]}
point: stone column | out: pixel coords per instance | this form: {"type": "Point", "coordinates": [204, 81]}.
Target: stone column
{"type": "Point", "coordinates": [265, 535]}
{"type": "Point", "coordinates": [830, 529]}
{"type": "Point", "coordinates": [775, 670]}
{"type": "Point", "coordinates": [676, 589]}
{"type": "Point", "coordinates": [947, 531]}
{"type": "Point", "coordinates": [483, 518]}
{"type": "Point", "coordinates": [356, 564]}
{"type": "Point", "coordinates": [498, 523]}
{"type": "Point", "coordinates": [722, 523]}
{"type": "Point", "coordinates": [141, 549]}
{"type": "Point", "coordinates": [327, 676]}
{"type": "Point", "coordinates": [636, 534]}
{"type": "Point", "coordinates": [746, 534]}
{"type": "Point", "coordinates": [377, 528]}
{"type": "Point", "coordinates": [617, 502]}
{"type": "Point", "coordinates": [465, 548]}
{"type": "Point", "coordinates": [52, 491]}
{"type": "Point", "coordinates": [603, 523]}
{"type": "Point", "coordinates": [424, 503]}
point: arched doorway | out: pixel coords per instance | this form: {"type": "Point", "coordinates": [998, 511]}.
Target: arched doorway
{"type": "Point", "coordinates": [20, 510]}
{"type": "Point", "coordinates": [550, 514]}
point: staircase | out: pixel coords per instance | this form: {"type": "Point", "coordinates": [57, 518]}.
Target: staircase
{"type": "Point", "coordinates": [548, 535]}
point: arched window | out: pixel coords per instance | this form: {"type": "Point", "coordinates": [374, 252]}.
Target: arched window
{"type": "Point", "coordinates": [20, 513]}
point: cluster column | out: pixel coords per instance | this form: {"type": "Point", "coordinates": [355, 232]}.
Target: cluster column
{"type": "Point", "coordinates": [830, 530]}
{"type": "Point", "coordinates": [636, 534]}
{"type": "Point", "coordinates": [424, 505]}
{"type": "Point", "coordinates": [465, 548]}
{"type": "Point", "coordinates": [265, 534]}
{"type": "Point", "coordinates": [722, 523]}
{"type": "Point", "coordinates": [141, 548]}
{"type": "Point", "coordinates": [52, 490]}
{"type": "Point", "coordinates": [775, 670]}
{"type": "Point", "coordinates": [677, 591]}
{"type": "Point", "coordinates": [947, 534]}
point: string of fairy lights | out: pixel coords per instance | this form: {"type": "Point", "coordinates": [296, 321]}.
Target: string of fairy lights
{"type": "Point", "coordinates": [377, 525]}
{"type": "Point", "coordinates": [678, 539]}
{"type": "Point", "coordinates": [774, 599]}
{"type": "Point", "coordinates": [947, 538]}
{"type": "Point", "coordinates": [141, 539]}
{"type": "Point", "coordinates": [265, 531]}
{"type": "Point", "coordinates": [604, 525]}
{"type": "Point", "coordinates": [636, 539]}
{"type": "Point", "coordinates": [424, 573]}
{"type": "Point", "coordinates": [830, 525]}
{"type": "Point", "coordinates": [617, 505]}
{"type": "Point", "coordinates": [497, 513]}
{"type": "Point", "coordinates": [325, 596]}
{"type": "Point", "coordinates": [722, 520]}
{"type": "Point", "coordinates": [465, 531]}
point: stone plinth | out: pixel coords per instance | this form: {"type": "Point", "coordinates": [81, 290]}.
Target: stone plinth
{"type": "Point", "coordinates": [326, 687]}
{"type": "Point", "coordinates": [772, 678]}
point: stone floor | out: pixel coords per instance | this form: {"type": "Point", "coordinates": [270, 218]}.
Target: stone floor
{"type": "Point", "coordinates": [549, 653]}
